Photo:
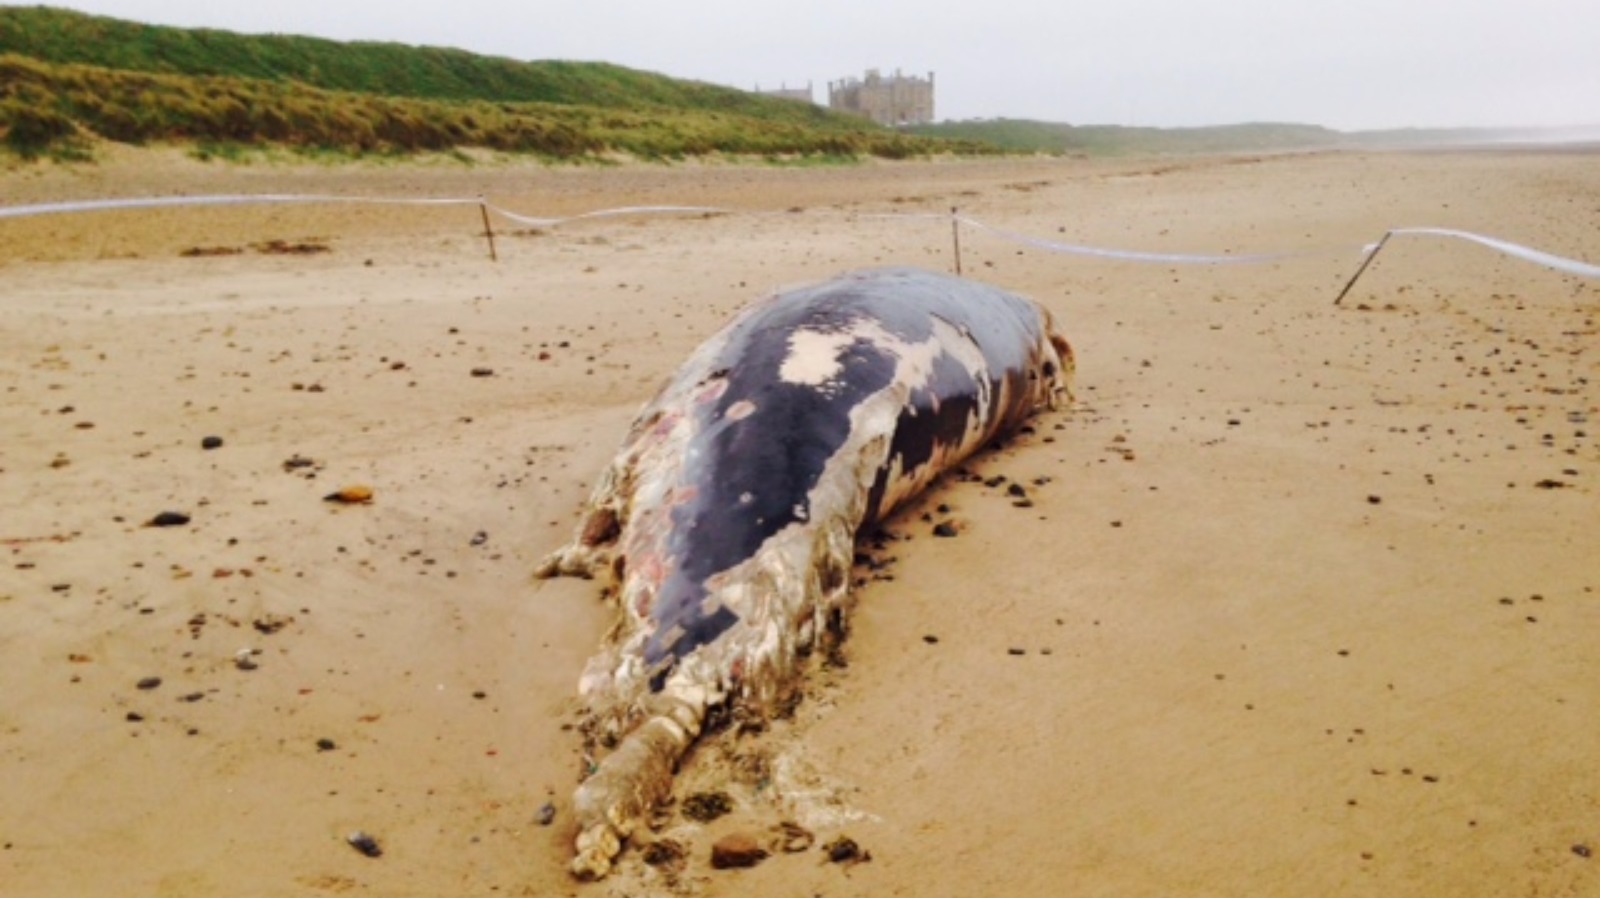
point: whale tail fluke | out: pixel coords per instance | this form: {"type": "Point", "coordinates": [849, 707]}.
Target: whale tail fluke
{"type": "Point", "coordinates": [631, 781]}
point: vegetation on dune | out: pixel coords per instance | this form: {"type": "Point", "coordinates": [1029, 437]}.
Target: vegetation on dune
{"type": "Point", "coordinates": [67, 78]}
{"type": "Point", "coordinates": [47, 108]}
{"type": "Point", "coordinates": [388, 69]}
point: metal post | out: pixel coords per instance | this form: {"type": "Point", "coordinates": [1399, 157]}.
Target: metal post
{"type": "Point", "coordinates": [955, 235]}
{"type": "Point", "coordinates": [488, 231]}
{"type": "Point", "coordinates": [1368, 261]}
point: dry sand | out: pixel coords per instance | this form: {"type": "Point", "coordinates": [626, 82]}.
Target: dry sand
{"type": "Point", "coordinates": [1293, 614]}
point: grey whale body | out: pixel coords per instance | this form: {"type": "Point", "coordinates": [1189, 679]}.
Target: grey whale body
{"type": "Point", "coordinates": [729, 516]}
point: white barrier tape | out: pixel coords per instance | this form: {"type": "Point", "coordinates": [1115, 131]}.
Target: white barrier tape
{"type": "Point", "coordinates": [1074, 249]}
{"type": "Point", "coordinates": [611, 213]}
{"type": "Point", "coordinates": [1526, 253]}
{"type": "Point", "coordinates": [1538, 257]}
{"type": "Point", "coordinates": [251, 199]}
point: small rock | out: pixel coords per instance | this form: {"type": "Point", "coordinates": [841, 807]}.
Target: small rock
{"type": "Point", "coordinates": [1582, 851]}
{"type": "Point", "coordinates": [269, 624]}
{"type": "Point", "coordinates": [483, 372]}
{"type": "Point", "coordinates": [945, 529]}
{"type": "Point", "coordinates": [148, 683]}
{"type": "Point", "coordinates": [211, 443]}
{"type": "Point", "coordinates": [364, 843]}
{"type": "Point", "coordinates": [326, 745]}
{"type": "Point", "coordinates": [351, 495]}
{"type": "Point", "coordinates": [168, 519]}
{"type": "Point", "coordinates": [705, 807]}
{"type": "Point", "coordinates": [794, 837]}
{"type": "Point", "coordinates": [663, 853]}
{"type": "Point", "coordinates": [844, 850]}
{"type": "Point", "coordinates": [736, 850]}
{"type": "Point", "coordinates": [547, 814]}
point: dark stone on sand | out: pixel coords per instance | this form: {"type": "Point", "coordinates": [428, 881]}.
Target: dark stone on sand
{"type": "Point", "coordinates": [168, 519]}
{"type": "Point", "coordinates": [844, 850]}
{"type": "Point", "coordinates": [664, 852]}
{"type": "Point", "coordinates": [547, 814]}
{"type": "Point", "coordinates": [364, 843]}
{"type": "Point", "coordinates": [737, 850]}
{"type": "Point", "coordinates": [211, 443]}
{"type": "Point", "coordinates": [707, 806]}
{"type": "Point", "coordinates": [483, 372]}
{"type": "Point", "coordinates": [944, 528]}
{"type": "Point", "coordinates": [149, 683]}
{"type": "Point", "coordinates": [326, 745]}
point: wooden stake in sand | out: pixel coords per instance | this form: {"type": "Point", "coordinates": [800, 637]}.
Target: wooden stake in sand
{"type": "Point", "coordinates": [955, 235]}
{"type": "Point", "coordinates": [488, 231]}
{"type": "Point", "coordinates": [1368, 261]}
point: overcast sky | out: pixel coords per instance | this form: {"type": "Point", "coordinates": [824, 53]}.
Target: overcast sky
{"type": "Point", "coordinates": [1349, 64]}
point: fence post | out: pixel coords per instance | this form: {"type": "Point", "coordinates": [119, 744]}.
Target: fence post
{"type": "Point", "coordinates": [1368, 261]}
{"type": "Point", "coordinates": [488, 231]}
{"type": "Point", "coordinates": [955, 236]}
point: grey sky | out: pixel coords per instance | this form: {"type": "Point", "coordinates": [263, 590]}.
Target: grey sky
{"type": "Point", "coordinates": [1348, 65]}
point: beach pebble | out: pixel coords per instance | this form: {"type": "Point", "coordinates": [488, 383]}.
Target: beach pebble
{"type": "Point", "coordinates": [663, 853]}
{"type": "Point", "coordinates": [364, 843]}
{"type": "Point", "coordinates": [350, 495]}
{"type": "Point", "coordinates": [944, 528]}
{"type": "Point", "coordinates": [707, 806]}
{"type": "Point", "coordinates": [547, 814]}
{"type": "Point", "coordinates": [844, 850]}
{"type": "Point", "coordinates": [211, 443]}
{"type": "Point", "coordinates": [736, 850]}
{"type": "Point", "coordinates": [148, 683]}
{"type": "Point", "coordinates": [168, 519]}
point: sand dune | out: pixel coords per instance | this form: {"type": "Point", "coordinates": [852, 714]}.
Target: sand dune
{"type": "Point", "coordinates": [1305, 601]}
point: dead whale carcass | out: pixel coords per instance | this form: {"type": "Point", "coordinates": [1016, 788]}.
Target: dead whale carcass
{"type": "Point", "coordinates": [729, 516]}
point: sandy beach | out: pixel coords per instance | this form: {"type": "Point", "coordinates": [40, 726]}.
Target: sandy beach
{"type": "Point", "coordinates": [1306, 601]}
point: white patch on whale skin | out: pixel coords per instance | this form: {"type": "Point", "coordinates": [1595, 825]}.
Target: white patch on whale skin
{"type": "Point", "coordinates": [813, 357]}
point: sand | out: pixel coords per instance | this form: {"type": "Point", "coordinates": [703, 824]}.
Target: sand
{"type": "Point", "coordinates": [1306, 601]}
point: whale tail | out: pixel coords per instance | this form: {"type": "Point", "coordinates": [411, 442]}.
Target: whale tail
{"type": "Point", "coordinates": [631, 781]}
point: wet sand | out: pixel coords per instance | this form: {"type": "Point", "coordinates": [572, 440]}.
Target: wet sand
{"type": "Point", "coordinates": [1306, 600]}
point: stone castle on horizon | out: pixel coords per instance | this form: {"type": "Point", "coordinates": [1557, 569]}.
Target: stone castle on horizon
{"type": "Point", "coordinates": [888, 100]}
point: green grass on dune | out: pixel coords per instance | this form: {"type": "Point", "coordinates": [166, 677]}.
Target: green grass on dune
{"type": "Point", "coordinates": [68, 78]}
